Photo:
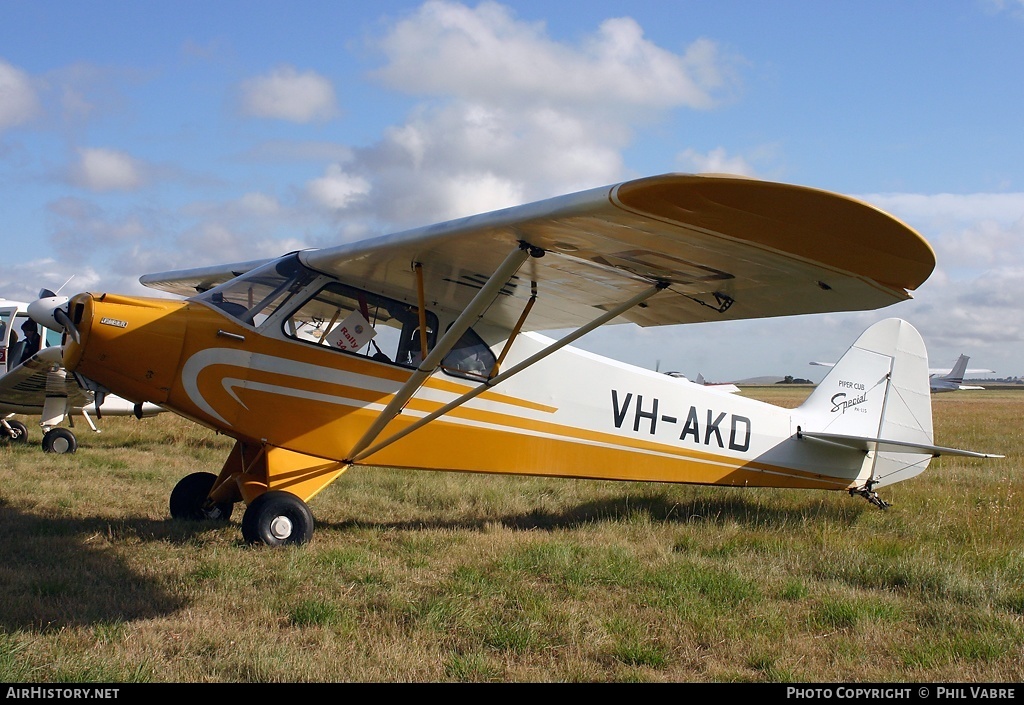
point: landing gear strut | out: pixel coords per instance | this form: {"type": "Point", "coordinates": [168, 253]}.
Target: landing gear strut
{"type": "Point", "coordinates": [871, 496]}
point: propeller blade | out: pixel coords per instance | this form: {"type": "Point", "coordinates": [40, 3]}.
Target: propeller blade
{"type": "Point", "coordinates": [62, 317]}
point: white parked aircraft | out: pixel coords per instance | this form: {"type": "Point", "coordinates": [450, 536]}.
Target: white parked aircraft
{"type": "Point", "coordinates": [945, 379]}
{"type": "Point", "coordinates": [953, 380]}
{"type": "Point", "coordinates": [33, 382]}
{"type": "Point", "coordinates": [421, 350]}
{"type": "Point", "coordinates": [726, 387]}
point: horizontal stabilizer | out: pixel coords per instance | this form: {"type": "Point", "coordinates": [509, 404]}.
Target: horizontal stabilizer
{"type": "Point", "coordinates": [889, 446]}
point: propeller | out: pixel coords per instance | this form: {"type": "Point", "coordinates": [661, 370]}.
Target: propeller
{"type": "Point", "coordinates": [51, 312]}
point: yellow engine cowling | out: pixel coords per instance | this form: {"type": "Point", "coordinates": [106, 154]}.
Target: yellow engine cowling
{"type": "Point", "coordinates": [130, 345]}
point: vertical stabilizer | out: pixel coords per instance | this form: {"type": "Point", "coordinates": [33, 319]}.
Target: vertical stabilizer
{"type": "Point", "coordinates": [878, 390]}
{"type": "Point", "coordinates": [956, 375]}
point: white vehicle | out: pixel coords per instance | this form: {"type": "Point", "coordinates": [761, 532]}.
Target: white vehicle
{"type": "Point", "coordinates": [33, 382]}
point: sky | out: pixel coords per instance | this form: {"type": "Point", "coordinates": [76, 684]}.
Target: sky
{"type": "Point", "coordinates": [141, 137]}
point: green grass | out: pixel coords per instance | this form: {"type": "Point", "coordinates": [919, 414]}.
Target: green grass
{"type": "Point", "coordinates": [428, 577]}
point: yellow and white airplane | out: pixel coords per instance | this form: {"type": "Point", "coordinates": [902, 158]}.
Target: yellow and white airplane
{"type": "Point", "coordinates": [420, 349]}
{"type": "Point", "coordinates": [34, 382]}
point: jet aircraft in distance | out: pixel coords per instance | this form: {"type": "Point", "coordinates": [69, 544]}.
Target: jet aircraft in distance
{"type": "Point", "coordinates": [953, 379]}
{"type": "Point", "coordinates": [944, 379]}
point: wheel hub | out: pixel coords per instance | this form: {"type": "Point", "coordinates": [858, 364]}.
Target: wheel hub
{"type": "Point", "coordinates": [281, 527]}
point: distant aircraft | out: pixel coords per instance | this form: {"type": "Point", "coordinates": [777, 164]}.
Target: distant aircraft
{"type": "Point", "coordinates": [944, 379]}
{"type": "Point", "coordinates": [716, 386]}
{"type": "Point", "coordinates": [36, 383]}
{"type": "Point", "coordinates": [421, 349]}
{"type": "Point", "coordinates": [953, 380]}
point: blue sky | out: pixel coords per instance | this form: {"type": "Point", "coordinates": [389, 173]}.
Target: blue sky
{"type": "Point", "coordinates": [144, 136]}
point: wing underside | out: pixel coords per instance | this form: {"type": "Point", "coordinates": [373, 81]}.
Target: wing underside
{"type": "Point", "coordinates": [29, 384]}
{"type": "Point", "coordinates": [728, 248]}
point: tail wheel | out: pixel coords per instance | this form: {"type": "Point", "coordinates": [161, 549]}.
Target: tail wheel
{"type": "Point", "coordinates": [277, 518]}
{"type": "Point", "coordinates": [190, 499]}
{"type": "Point", "coordinates": [59, 440]}
{"type": "Point", "coordinates": [14, 432]}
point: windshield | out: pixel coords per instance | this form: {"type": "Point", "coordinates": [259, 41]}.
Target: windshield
{"type": "Point", "coordinates": [345, 318]}
{"type": "Point", "coordinates": [254, 296]}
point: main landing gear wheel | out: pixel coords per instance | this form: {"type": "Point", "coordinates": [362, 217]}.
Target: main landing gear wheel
{"type": "Point", "coordinates": [15, 432]}
{"type": "Point", "coordinates": [59, 440]}
{"type": "Point", "coordinates": [277, 518]}
{"type": "Point", "coordinates": [190, 499]}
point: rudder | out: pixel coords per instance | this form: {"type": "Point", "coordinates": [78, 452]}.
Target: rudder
{"type": "Point", "coordinates": [878, 390]}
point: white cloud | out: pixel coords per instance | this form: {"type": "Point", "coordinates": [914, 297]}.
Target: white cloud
{"type": "Point", "coordinates": [1003, 207]}
{"type": "Point", "coordinates": [18, 100]}
{"type": "Point", "coordinates": [260, 204]}
{"type": "Point", "coordinates": [967, 231]}
{"type": "Point", "coordinates": [717, 161]}
{"type": "Point", "coordinates": [106, 170]}
{"type": "Point", "coordinates": [513, 115]}
{"type": "Point", "coordinates": [449, 49]}
{"type": "Point", "coordinates": [971, 302]}
{"type": "Point", "coordinates": [22, 282]}
{"type": "Point", "coordinates": [286, 94]}
{"type": "Point", "coordinates": [336, 189]}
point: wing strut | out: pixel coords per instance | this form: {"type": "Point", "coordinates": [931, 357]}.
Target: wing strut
{"type": "Point", "coordinates": [515, 332]}
{"type": "Point", "coordinates": [557, 345]}
{"type": "Point", "coordinates": [484, 298]}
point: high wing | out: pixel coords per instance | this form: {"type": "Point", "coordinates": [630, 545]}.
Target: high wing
{"type": "Point", "coordinates": [188, 282]}
{"type": "Point", "coordinates": [723, 247]}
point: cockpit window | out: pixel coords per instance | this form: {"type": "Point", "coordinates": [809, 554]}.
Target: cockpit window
{"type": "Point", "coordinates": [356, 321]}
{"type": "Point", "coordinates": [471, 358]}
{"type": "Point", "coordinates": [254, 296]}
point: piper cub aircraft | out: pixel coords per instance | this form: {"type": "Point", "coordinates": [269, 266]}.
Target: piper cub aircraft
{"type": "Point", "coordinates": [421, 349]}
{"type": "Point", "coordinates": [34, 382]}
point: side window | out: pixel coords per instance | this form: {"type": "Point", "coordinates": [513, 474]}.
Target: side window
{"type": "Point", "coordinates": [471, 357]}
{"type": "Point", "coordinates": [52, 337]}
{"type": "Point", "coordinates": [355, 321]}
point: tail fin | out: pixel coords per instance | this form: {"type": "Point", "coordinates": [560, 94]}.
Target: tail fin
{"type": "Point", "coordinates": [956, 375]}
{"type": "Point", "coordinates": [877, 398]}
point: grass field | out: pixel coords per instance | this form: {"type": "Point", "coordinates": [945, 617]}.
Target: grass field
{"type": "Point", "coordinates": [443, 577]}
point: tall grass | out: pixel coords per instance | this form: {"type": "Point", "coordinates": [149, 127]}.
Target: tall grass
{"type": "Point", "coordinates": [416, 577]}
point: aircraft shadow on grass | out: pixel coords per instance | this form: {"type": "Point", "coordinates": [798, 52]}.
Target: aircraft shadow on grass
{"type": "Point", "coordinates": [53, 578]}
{"type": "Point", "coordinates": [662, 508]}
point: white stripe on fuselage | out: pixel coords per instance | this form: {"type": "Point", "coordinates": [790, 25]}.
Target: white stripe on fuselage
{"type": "Point", "coordinates": [240, 359]}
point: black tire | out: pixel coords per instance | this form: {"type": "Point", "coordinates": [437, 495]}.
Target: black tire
{"type": "Point", "coordinates": [59, 440]}
{"type": "Point", "coordinates": [277, 518]}
{"type": "Point", "coordinates": [17, 434]}
{"type": "Point", "coordinates": [190, 499]}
